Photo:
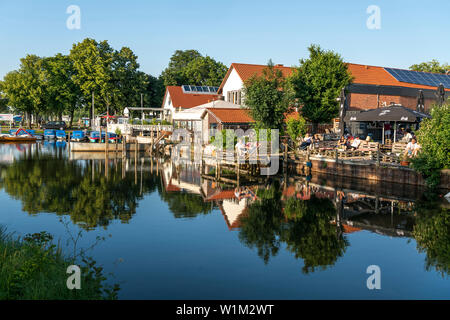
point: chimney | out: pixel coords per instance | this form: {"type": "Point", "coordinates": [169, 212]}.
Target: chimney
{"type": "Point", "coordinates": [279, 65]}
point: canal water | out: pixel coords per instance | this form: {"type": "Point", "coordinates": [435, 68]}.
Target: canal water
{"type": "Point", "coordinates": [168, 231]}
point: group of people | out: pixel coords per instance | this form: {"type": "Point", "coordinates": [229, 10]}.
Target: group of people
{"type": "Point", "coordinates": [349, 142]}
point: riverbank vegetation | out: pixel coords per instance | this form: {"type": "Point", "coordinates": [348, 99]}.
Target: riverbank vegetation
{"type": "Point", "coordinates": [434, 138]}
{"type": "Point", "coordinates": [33, 268]}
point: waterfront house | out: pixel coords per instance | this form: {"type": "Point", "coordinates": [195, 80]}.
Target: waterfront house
{"type": "Point", "coordinates": [232, 85]}
{"type": "Point", "coordinates": [179, 98]}
{"type": "Point", "coordinates": [224, 118]}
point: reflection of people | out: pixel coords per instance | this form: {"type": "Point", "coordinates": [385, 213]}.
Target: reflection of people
{"type": "Point", "coordinates": [412, 148]}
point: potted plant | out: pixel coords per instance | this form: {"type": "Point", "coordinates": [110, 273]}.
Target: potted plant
{"type": "Point", "coordinates": [404, 160]}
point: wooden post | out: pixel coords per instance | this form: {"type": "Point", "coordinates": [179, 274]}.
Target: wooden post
{"type": "Point", "coordinates": [378, 155]}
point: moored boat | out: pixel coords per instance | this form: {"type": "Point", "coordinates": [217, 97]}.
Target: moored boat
{"type": "Point", "coordinates": [60, 135]}
{"type": "Point", "coordinates": [18, 136]}
{"type": "Point", "coordinates": [49, 134]}
{"type": "Point", "coordinates": [78, 136]}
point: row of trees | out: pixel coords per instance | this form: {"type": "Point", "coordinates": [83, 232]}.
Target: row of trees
{"type": "Point", "coordinates": [62, 84]}
{"type": "Point", "coordinates": [315, 86]}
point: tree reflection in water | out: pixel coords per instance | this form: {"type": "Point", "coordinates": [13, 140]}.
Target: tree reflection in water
{"type": "Point", "coordinates": [303, 225]}
{"type": "Point", "coordinates": [79, 189]}
{"type": "Point", "coordinates": [432, 234]}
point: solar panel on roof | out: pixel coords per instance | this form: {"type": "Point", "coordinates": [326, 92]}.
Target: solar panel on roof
{"type": "Point", "coordinates": [423, 78]}
{"type": "Point", "coordinates": [187, 88]}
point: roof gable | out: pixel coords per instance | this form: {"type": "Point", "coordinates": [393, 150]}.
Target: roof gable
{"type": "Point", "coordinates": [246, 71]}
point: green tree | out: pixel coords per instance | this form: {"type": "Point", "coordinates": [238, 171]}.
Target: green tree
{"type": "Point", "coordinates": [128, 82]}
{"type": "Point", "coordinates": [266, 98]}
{"type": "Point", "coordinates": [64, 94]}
{"type": "Point", "coordinates": [93, 62]}
{"type": "Point", "coordinates": [26, 88]}
{"type": "Point", "coordinates": [190, 67]}
{"type": "Point", "coordinates": [296, 128]}
{"type": "Point", "coordinates": [4, 102]}
{"type": "Point", "coordinates": [317, 84]}
{"type": "Point", "coordinates": [434, 138]}
{"type": "Point", "coordinates": [431, 66]}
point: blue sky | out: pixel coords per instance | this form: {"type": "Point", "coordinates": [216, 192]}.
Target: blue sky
{"type": "Point", "coordinates": [231, 31]}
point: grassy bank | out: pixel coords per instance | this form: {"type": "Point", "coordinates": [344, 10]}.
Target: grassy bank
{"type": "Point", "coordinates": [33, 268]}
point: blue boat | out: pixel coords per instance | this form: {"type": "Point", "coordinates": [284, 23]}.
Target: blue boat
{"type": "Point", "coordinates": [78, 136]}
{"type": "Point", "coordinates": [49, 134]}
{"type": "Point", "coordinates": [60, 135]}
{"type": "Point", "coordinates": [113, 138]}
{"type": "Point", "coordinates": [94, 137]}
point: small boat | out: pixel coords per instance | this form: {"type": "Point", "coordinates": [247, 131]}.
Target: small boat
{"type": "Point", "coordinates": [94, 137]}
{"type": "Point", "coordinates": [18, 136]}
{"type": "Point", "coordinates": [113, 138]}
{"type": "Point", "coordinates": [60, 135]}
{"type": "Point", "coordinates": [49, 134]}
{"type": "Point", "coordinates": [78, 136]}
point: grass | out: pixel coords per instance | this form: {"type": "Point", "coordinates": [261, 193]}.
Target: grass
{"type": "Point", "coordinates": [33, 268]}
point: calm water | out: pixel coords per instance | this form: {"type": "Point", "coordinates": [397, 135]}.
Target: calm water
{"type": "Point", "coordinates": [164, 232]}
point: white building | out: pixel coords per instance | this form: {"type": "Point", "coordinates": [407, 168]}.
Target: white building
{"type": "Point", "coordinates": [179, 98]}
{"type": "Point", "coordinates": [233, 83]}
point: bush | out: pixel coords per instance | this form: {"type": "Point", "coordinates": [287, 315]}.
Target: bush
{"type": "Point", "coordinates": [33, 268]}
{"type": "Point", "coordinates": [434, 138]}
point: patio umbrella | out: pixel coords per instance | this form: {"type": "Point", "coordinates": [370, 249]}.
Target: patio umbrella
{"type": "Point", "coordinates": [420, 102]}
{"type": "Point", "coordinates": [342, 111]}
{"type": "Point", "coordinates": [440, 94]}
{"type": "Point", "coordinates": [391, 113]}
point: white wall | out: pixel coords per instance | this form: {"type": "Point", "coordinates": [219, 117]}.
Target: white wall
{"type": "Point", "coordinates": [168, 106]}
{"type": "Point", "coordinates": [234, 82]}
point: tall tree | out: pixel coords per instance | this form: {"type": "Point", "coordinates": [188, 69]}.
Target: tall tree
{"type": "Point", "coordinates": [93, 62]}
{"type": "Point", "coordinates": [317, 84]}
{"type": "Point", "coordinates": [190, 67]}
{"type": "Point", "coordinates": [64, 94]}
{"type": "Point", "coordinates": [26, 88]}
{"type": "Point", "coordinates": [266, 98]}
{"type": "Point", "coordinates": [431, 66]}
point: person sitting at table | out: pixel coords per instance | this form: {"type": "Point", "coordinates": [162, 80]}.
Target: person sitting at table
{"type": "Point", "coordinates": [240, 148]}
{"type": "Point", "coordinates": [412, 148]}
{"type": "Point", "coordinates": [342, 144]}
{"type": "Point", "coordinates": [306, 142]}
{"type": "Point", "coordinates": [355, 144]}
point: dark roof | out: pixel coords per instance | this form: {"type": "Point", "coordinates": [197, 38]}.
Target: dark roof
{"type": "Point", "coordinates": [391, 113]}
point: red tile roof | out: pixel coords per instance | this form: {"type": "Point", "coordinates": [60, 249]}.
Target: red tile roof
{"type": "Point", "coordinates": [187, 100]}
{"type": "Point", "coordinates": [231, 115]}
{"type": "Point", "coordinates": [246, 71]}
{"type": "Point", "coordinates": [364, 74]}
